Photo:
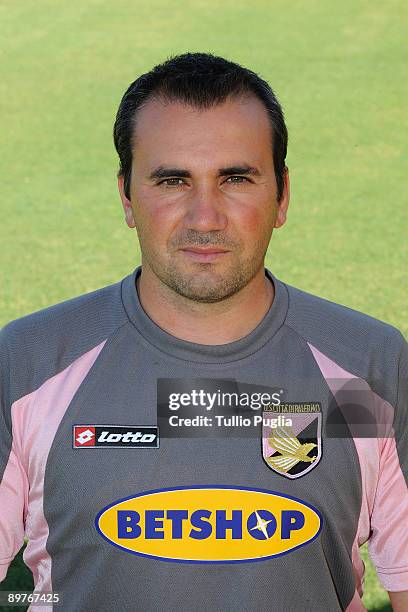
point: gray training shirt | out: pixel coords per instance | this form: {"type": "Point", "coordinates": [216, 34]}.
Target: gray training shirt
{"type": "Point", "coordinates": [152, 473]}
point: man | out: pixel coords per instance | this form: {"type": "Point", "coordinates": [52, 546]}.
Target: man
{"type": "Point", "coordinates": [215, 509]}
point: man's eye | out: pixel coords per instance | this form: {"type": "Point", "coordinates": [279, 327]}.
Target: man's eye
{"type": "Point", "coordinates": [237, 180]}
{"type": "Point", "coordinates": [172, 182]}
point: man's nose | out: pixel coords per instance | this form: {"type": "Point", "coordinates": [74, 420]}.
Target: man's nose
{"type": "Point", "coordinates": [205, 210]}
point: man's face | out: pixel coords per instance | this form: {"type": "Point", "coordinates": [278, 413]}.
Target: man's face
{"type": "Point", "coordinates": [203, 195]}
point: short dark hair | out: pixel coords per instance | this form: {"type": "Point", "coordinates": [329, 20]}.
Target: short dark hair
{"type": "Point", "coordinates": [202, 80]}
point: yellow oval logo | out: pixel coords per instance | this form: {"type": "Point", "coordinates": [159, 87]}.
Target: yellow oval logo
{"type": "Point", "coordinates": [209, 524]}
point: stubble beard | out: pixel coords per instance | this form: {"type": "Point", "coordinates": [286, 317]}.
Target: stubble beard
{"type": "Point", "coordinates": [205, 284]}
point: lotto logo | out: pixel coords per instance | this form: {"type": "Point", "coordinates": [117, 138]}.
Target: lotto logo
{"type": "Point", "coordinates": [84, 436]}
{"type": "Point", "coordinates": [115, 436]}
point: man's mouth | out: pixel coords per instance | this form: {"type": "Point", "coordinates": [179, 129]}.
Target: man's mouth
{"type": "Point", "coordinates": [204, 254]}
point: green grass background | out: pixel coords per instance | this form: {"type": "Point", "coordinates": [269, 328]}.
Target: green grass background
{"type": "Point", "coordinates": [339, 69]}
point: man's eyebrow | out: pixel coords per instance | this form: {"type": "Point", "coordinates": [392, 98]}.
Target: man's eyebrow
{"type": "Point", "coordinates": [238, 170]}
{"type": "Point", "coordinates": [164, 172]}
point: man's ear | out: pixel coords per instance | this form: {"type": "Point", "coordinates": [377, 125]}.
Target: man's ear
{"type": "Point", "coordinates": [126, 203]}
{"type": "Point", "coordinates": [284, 201]}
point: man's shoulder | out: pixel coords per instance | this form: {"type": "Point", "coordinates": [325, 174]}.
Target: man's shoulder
{"type": "Point", "coordinates": [359, 343]}
{"type": "Point", "coordinates": [76, 313]}
{"type": "Point", "coordinates": [38, 345]}
{"type": "Point", "coordinates": [311, 313]}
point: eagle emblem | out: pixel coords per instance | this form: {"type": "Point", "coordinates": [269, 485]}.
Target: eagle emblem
{"type": "Point", "coordinates": [294, 450]}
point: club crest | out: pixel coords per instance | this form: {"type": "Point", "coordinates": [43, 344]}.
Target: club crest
{"type": "Point", "coordinates": [295, 448]}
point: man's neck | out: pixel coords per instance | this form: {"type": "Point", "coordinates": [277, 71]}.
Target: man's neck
{"type": "Point", "coordinates": [214, 323]}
